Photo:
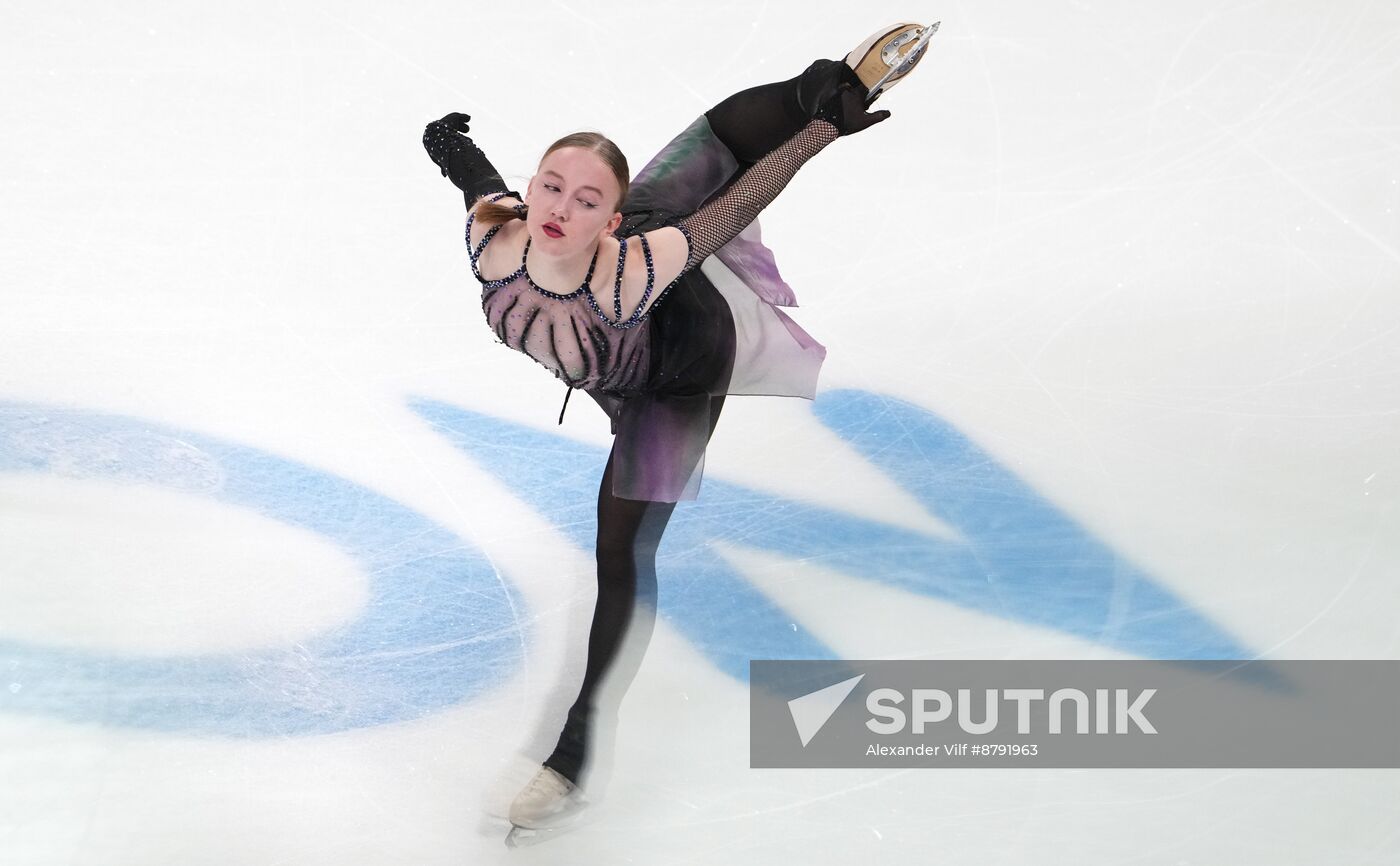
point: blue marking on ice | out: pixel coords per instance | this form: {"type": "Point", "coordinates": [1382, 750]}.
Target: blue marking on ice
{"type": "Point", "coordinates": [1019, 558]}
{"type": "Point", "coordinates": [714, 606]}
{"type": "Point", "coordinates": [440, 625]}
{"type": "Point", "coordinates": [1022, 558]}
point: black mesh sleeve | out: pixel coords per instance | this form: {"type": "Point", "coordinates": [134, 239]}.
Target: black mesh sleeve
{"type": "Point", "coordinates": [721, 219]}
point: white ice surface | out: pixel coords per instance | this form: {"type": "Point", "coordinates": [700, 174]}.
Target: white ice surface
{"type": "Point", "coordinates": [1146, 255]}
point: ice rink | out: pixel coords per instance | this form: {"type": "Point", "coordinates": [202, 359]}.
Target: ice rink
{"type": "Point", "coordinates": [296, 565]}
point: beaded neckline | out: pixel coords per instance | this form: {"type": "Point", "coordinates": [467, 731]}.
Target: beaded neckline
{"type": "Point", "coordinates": [638, 315]}
{"type": "Point", "coordinates": [587, 280]}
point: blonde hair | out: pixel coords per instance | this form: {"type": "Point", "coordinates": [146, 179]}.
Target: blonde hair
{"type": "Point", "coordinates": [490, 213]}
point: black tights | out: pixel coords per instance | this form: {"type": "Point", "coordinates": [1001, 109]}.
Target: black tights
{"type": "Point", "coordinates": [750, 123]}
{"type": "Point", "coordinates": [755, 121]}
{"type": "Point", "coordinates": [629, 532]}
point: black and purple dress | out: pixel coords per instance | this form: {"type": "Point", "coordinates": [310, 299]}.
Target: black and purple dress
{"type": "Point", "coordinates": [717, 329]}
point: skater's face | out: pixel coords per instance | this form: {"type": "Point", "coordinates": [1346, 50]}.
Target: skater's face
{"type": "Point", "coordinates": [575, 192]}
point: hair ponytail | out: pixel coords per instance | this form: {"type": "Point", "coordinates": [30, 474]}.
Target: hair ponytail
{"type": "Point", "coordinates": [489, 213]}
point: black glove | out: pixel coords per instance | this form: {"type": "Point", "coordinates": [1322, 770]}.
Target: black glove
{"type": "Point", "coordinates": [820, 81]}
{"type": "Point", "coordinates": [845, 110]}
{"type": "Point", "coordinates": [460, 159]}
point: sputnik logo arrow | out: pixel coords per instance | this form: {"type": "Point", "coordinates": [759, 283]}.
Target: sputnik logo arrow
{"type": "Point", "coordinates": [811, 711]}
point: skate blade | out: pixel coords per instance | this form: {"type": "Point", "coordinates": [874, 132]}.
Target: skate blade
{"type": "Point", "coordinates": [524, 837]}
{"type": "Point", "coordinates": [521, 836]}
{"type": "Point", "coordinates": [911, 54]}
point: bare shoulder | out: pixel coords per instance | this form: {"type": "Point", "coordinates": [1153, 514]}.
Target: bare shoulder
{"type": "Point", "coordinates": [479, 229]}
{"type": "Point", "coordinates": [668, 256]}
{"type": "Point", "coordinates": [669, 251]}
{"type": "Point", "coordinates": [501, 256]}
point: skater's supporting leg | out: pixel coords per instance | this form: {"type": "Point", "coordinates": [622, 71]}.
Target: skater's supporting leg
{"type": "Point", "coordinates": [628, 534]}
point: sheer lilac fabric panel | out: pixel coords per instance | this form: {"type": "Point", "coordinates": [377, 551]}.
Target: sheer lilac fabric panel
{"type": "Point", "coordinates": [566, 337]}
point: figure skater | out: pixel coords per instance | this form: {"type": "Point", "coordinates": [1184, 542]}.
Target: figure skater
{"type": "Point", "coordinates": [600, 280]}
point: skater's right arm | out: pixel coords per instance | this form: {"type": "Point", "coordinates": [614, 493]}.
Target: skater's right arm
{"type": "Point", "coordinates": [461, 161]}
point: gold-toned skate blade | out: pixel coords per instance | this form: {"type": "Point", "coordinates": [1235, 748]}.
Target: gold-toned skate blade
{"type": "Point", "coordinates": [889, 55]}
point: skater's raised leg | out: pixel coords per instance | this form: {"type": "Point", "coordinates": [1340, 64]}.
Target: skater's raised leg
{"type": "Point", "coordinates": [753, 122]}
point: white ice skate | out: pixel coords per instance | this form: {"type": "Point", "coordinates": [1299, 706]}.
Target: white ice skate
{"type": "Point", "coordinates": [549, 805]}
{"type": "Point", "coordinates": [890, 53]}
